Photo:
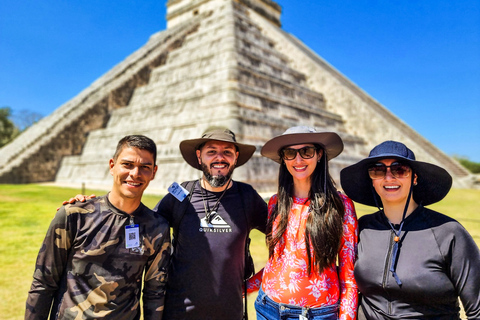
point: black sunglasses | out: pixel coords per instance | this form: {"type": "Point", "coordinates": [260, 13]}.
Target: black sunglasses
{"type": "Point", "coordinates": [398, 170]}
{"type": "Point", "coordinates": [305, 153]}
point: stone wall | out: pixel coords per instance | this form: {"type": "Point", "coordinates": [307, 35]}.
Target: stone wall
{"type": "Point", "coordinates": [35, 156]}
{"type": "Point", "coordinates": [364, 116]}
{"type": "Point", "coordinates": [226, 73]}
{"type": "Point", "coordinates": [219, 63]}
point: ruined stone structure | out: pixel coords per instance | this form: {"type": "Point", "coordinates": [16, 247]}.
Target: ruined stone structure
{"type": "Point", "coordinates": [219, 63]}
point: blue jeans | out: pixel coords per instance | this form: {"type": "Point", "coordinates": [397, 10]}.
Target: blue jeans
{"type": "Point", "coordinates": [267, 309]}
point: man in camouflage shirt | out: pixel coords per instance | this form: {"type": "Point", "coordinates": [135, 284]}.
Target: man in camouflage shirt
{"type": "Point", "coordinates": [95, 253]}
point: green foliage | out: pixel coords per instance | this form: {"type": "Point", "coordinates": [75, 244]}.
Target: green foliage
{"type": "Point", "coordinates": [473, 167]}
{"type": "Point", "coordinates": [11, 125]}
{"type": "Point", "coordinates": [26, 212]}
{"type": "Point", "coordinates": [8, 130]}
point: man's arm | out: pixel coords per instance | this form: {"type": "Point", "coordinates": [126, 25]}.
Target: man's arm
{"type": "Point", "coordinates": [49, 268]}
{"type": "Point", "coordinates": [156, 272]}
{"type": "Point", "coordinates": [165, 207]}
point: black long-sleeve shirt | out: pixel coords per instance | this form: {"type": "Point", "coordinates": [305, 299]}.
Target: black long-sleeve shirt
{"type": "Point", "coordinates": [437, 263]}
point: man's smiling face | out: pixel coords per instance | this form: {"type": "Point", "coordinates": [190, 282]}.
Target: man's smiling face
{"type": "Point", "coordinates": [217, 160]}
{"type": "Point", "coordinates": [132, 171]}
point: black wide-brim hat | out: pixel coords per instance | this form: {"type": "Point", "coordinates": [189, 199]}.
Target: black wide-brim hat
{"type": "Point", "coordinates": [188, 148]}
{"type": "Point", "coordinates": [433, 182]}
{"type": "Point", "coordinates": [330, 141]}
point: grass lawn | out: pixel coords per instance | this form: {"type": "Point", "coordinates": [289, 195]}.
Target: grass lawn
{"type": "Point", "coordinates": [26, 212]}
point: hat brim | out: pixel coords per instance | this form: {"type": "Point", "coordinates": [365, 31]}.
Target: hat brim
{"type": "Point", "coordinates": [330, 141]}
{"type": "Point", "coordinates": [433, 182]}
{"type": "Point", "coordinates": [188, 150]}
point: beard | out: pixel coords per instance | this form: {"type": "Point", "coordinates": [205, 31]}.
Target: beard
{"type": "Point", "coordinates": [218, 180]}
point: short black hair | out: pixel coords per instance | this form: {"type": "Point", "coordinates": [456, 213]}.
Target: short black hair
{"type": "Point", "coordinates": [137, 141]}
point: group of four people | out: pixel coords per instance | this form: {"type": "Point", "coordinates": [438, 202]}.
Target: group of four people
{"type": "Point", "coordinates": [411, 262]}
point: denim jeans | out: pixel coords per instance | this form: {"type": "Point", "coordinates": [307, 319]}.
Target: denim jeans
{"type": "Point", "coordinates": [267, 309]}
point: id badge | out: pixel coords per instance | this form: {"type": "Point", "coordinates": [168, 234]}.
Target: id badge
{"type": "Point", "coordinates": [178, 191]}
{"type": "Point", "coordinates": [132, 236]}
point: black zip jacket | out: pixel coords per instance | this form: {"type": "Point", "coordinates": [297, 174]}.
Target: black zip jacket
{"type": "Point", "coordinates": [437, 263]}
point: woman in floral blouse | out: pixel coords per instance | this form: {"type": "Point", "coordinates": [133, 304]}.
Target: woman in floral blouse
{"type": "Point", "coordinates": [311, 226]}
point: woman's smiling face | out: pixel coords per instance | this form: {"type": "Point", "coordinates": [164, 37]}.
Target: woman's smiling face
{"type": "Point", "coordinates": [391, 189]}
{"type": "Point", "coordinates": [301, 169]}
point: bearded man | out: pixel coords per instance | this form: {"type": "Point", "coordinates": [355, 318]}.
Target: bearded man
{"type": "Point", "coordinates": [210, 229]}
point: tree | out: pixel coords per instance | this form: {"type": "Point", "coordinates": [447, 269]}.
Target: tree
{"type": "Point", "coordinates": [473, 167]}
{"type": "Point", "coordinates": [8, 130]}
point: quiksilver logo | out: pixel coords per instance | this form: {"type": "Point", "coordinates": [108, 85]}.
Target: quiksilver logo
{"type": "Point", "coordinates": [217, 224]}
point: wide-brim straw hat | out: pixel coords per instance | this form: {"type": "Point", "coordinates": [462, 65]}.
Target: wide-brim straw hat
{"type": "Point", "coordinates": [188, 148]}
{"type": "Point", "coordinates": [330, 142]}
{"type": "Point", "coordinates": [433, 182]}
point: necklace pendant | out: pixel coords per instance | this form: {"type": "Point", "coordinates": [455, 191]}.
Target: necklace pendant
{"type": "Point", "coordinates": [396, 239]}
{"type": "Point", "coordinates": [210, 215]}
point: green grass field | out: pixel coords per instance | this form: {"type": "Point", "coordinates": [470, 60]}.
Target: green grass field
{"type": "Point", "coordinates": [26, 212]}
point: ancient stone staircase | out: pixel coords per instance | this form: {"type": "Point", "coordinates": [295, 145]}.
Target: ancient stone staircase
{"type": "Point", "coordinates": [219, 63]}
{"type": "Point", "coordinates": [225, 73]}
{"type": "Point", "coordinates": [36, 154]}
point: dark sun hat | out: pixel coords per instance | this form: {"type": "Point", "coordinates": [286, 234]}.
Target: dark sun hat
{"type": "Point", "coordinates": [330, 141]}
{"type": "Point", "coordinates": [433, 182]}
{"type": "Point", "coordinates": [188, 148]}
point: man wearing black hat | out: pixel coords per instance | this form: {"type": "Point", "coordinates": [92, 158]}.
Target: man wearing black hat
{"type": "Point", "coordinates": [211, 218]}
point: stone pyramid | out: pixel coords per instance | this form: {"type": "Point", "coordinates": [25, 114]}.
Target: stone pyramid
{"type": "Point", "coordinates": [219, 63]}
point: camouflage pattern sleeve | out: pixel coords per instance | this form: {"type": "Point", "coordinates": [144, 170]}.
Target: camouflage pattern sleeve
{"type": "Point", "coordinates": [155, 278]}
{"type": "Point", "coordinates": [85, 271]}
{"type": "Point", "coordinates": [51, 261]}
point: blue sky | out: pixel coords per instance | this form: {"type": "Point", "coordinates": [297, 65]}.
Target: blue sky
{"type": "Point", "coordinates": [420, 59]}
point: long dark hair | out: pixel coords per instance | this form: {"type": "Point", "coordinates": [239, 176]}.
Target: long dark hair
{"type": "Point", "coordinates": [324, 228]}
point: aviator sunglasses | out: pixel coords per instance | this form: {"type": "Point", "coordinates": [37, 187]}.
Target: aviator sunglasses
{"type": "Point", "coordinates": [398, 170]}
{"type": "Point", "coordinates": [305, 153]}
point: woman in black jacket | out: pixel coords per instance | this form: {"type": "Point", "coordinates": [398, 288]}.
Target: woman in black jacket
{"type": "Point", "coordinates": [413, 262]}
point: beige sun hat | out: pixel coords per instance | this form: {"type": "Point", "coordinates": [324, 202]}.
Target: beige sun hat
{"type": "Point", "coordinates": [188, 148]}
{"type": "Point", "coordinates": [330, 142]}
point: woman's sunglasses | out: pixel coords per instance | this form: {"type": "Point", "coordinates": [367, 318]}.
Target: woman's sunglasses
{"type": "Point", "coordinates": [305, 153]}
{"type": "Point", "coordinates": [398, 170]}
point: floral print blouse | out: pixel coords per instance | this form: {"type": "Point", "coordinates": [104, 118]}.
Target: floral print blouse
{"type": "Point", "coordinates": [285, 277]}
